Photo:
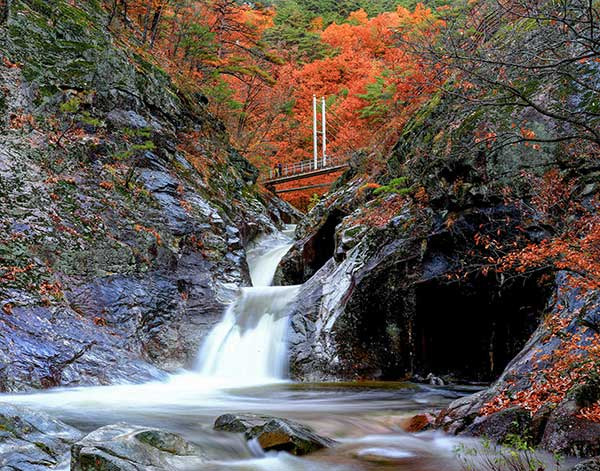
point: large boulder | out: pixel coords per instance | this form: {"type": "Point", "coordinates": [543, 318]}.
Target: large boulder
{"type": "Point", "coordinates": [33, 441]}
{"type": "Point", "coordinates": [387, 304]}
{"type": "Point", "coordinates": [569, 434]}
{"type": "Point", "coordinates": [273, 433]}
{"type": "Point", "coordinates": [124, 447]}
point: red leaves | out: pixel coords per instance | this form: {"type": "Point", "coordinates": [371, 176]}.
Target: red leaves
{"type": "Point", "coordinates": [572, 362]}
{"type": "Point", "coordinates": [52, 289]}
{"type": "Point", "coordinates": [379, 216]}
{"type": "Point", "coordinates": [10, 273]}
{"type": "Point", "coordinates": [149, 230]}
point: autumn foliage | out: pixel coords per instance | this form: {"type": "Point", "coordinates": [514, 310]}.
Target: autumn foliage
{"type": "Point", "coordinates": [264, 94]}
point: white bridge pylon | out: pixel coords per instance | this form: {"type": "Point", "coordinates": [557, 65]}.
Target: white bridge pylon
{"type": "Point", "coordinates": [316, 131]}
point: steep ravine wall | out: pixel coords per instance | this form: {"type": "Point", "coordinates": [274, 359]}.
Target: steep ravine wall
{"type": "Point", "coordinates": [125, 212]}
{"type": "Point", "coordinates": [401, 291]}
{"type": "Point", "coordinates": [383, 305]}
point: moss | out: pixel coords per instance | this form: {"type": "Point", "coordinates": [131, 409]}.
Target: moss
{"type": "Point", "coordinates": [45, 448]}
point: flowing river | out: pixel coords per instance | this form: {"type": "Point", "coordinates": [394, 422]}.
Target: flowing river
{"type": "Point", "coordinates": [241, 367]}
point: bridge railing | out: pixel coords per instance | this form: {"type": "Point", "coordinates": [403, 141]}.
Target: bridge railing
{"type": "Point", "coordinates": [305, 166]}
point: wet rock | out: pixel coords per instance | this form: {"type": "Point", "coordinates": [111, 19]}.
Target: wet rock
{"type": "Point", "coordinates": [498, 427]}
{"type": "Point", "coordinates": [557, 428]}
{"type": "Point", "coordinates": [588, 465]}
{"type": "Point", "coordinates": [273, 433]}
{"type": "Point", "coordinates": [33, 441]}
{"type": "Point", "coordinates": [568, 434]}
{"type": "Point", "coordinates": [420, 423]}
{"type": "Point", "coordinates": [385, 456]}
{"type": "Point", "coordinates": [127, 119]}
{"type": "Point", "coordinates": [123, 281]}
{"type": "Point", "coordinates": [372, 305]}
{"type": "Point", "coordinates": [124, 447]}
{"type": "Point", "coordinates": [434, 380]}
{"type": "Point", "coordinates": [316, 234]}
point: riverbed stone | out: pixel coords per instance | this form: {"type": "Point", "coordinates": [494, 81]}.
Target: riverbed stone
{"type": "Point", "coordinates": [32, 440]}
{"type": "Point", "coordinates": [500, 426]}
{"type": "Point", "coordinates": [568, 434]}
{"type": "Point", "coordinates": [273, 433]}
{"type": "Point", "coordinates": [124, 447]}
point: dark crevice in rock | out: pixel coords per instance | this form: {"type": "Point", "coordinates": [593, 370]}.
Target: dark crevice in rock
{"type": "Point", "coordinates": [473, 330]}
{"type": "Point", "coordinates": [321, 246]}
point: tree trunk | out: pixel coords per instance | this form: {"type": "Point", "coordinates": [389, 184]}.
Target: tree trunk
{"type": "Point", "coordinates": [113, 12]}
{"type": "Point", "coordinates": [155, 23]}
{"type": "Point", "coordinates": [146, 21]}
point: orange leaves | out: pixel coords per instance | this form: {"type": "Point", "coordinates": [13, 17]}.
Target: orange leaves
{"type": "Point", "coordinates": [370, 71]}
{"type": "Point", "coordinates": [571, 363]}
{"type": "Point", "coordinates": [8, 64]}
{"type": "Point", "coordinates": [485, 136]}
{"type": "Point", "coordinates": [149, 230]}
{"type": "Point", "coordinates": [367, 186]}
{"type": "Point", "coordinates": [106, 185]}
{"type": "Point", "coordinates": [527, 133]}
{"type": "Point", "coordinates": [575, 247]}
{"type": "Point", "coordinates": [591, 413]}
{"type": "Point", "coordinates": [10, 273]}
{"type": "Point", "coordinates": [18, 121]}
{"type": "Point", "coordinates": [51, 289]}
{"type": "Point", "coordinates": [382, 213]}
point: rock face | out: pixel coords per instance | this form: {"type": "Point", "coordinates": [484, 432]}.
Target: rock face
{"type": "Point", "coordinates": [588, 465]}
{"type": "Point", "coordinates": [556, 427]}
{"type": "Point", "coordinates": [124, 210]}
{"type": "Point", "coordinates": [33, 441]}
{"type": "Point", "coordinates": [382, 305]}
{"type": "Point", "coordinates": [273, 433]}
{"type": "Point", "coordinates": [124, 447]}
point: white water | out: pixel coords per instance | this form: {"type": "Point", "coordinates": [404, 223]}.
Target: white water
{"type": "Point", "coordinates": [249, 345]}
{"type": "Point", "coordinates": [248, 348]}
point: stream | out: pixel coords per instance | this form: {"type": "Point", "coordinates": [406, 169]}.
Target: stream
{"type": "Point", "coordinates": [241, 368]}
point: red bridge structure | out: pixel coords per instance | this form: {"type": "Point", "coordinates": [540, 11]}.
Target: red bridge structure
{"type": "Point", "coordinates": [300, 171]}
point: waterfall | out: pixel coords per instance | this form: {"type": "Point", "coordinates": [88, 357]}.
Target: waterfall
{"type": "Point", "coordinates": [249, 344]}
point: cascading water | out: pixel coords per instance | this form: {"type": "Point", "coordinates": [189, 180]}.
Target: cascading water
{"type": "Point", "coordinates": [247, 348]}
{"type": "Point", "coordinates": [249, 344]}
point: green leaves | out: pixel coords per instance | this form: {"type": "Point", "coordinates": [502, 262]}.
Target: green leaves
{"type": "Point", "coordinates": [380, 96]}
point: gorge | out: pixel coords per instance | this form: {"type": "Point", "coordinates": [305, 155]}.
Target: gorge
{"type": "Point", "coordinates": [435, 306]}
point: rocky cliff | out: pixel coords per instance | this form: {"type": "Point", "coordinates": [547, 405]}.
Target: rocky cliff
{"type": "Point", "coordinates": [124, 209]}
{"type": "Point", "coordinates": [398, 265]}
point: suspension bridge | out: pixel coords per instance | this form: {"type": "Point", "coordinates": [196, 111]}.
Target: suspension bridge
{"type": "Point", "coordinates": [302, 170]}
{"type": "Point", "coordinates": [320, 164]}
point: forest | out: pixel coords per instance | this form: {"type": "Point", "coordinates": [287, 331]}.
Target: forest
{"type": "Point", "coordinates": [300, 235]}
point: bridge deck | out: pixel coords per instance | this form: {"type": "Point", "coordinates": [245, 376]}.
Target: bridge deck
{"type": "Point", "coordinates": [301, 176]}
{"type": "Point", "coordinates": [304, 169]}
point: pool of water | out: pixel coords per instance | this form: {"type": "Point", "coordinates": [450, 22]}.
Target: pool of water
{"type": "Point", "coordinates": [365, 418]}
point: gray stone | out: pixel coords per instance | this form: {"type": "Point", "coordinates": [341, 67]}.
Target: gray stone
{"type": "Point", "coordinates": [127, 119]}
{"type": "Point", "coordinates": [124, 447]}
{"type": "Point", "coordinates": [33, 441]}
{"type": "Point", "coordinates": [274, 433]}
{"type": "Point", "coordinates": [588, 465]}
